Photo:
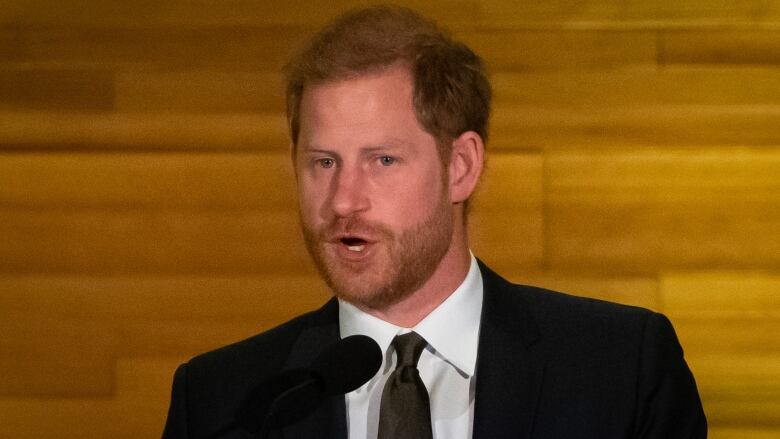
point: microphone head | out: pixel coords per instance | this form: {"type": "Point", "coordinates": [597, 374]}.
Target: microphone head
{"type": "Point", "coordinates": [348, 364]}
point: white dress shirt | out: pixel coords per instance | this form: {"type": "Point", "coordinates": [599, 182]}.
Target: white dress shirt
{"type": "Point", "coordinates": [446, 365]}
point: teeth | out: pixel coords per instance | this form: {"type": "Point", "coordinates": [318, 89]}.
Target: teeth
{"type": "Point", "coordinates": [356, 248]}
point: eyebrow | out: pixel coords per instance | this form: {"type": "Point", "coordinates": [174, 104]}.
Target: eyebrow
{"type": "Point", "coordinates": [394, 144]}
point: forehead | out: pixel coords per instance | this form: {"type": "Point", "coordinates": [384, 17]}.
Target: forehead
{"type": "Point", "coordinates": [375, 102]}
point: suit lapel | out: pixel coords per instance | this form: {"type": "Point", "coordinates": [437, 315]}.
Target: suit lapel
{"type": "Point", "coordinates": [509, 371]}
{"type": "Point", "coordinates": [329, 420]}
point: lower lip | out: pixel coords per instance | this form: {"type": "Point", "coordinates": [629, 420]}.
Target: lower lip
{"type": "Point", "coordinates": [345, 253]}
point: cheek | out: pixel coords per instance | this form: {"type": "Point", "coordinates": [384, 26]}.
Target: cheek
{"type": "Point", "coordinates": [309, 201]}
{"type": "Point", "coordinates": [415, 197]}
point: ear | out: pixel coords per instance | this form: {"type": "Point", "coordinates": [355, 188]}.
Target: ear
{"type": "Point", "coordinates": [466, 161]}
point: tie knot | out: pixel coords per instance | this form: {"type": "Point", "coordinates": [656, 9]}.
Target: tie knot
{"type": "Point", "coordinates": [408, 348]}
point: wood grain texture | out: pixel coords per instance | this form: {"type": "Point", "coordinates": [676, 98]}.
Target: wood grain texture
{"type": "Point", "coordinates": [640, 86]}
{"type": "Point", "coordinates": [549, 49]}
{"type": "Point", "coordinates": [643, 127]}
{"type": "Point", "coordinates": [723, 294]}
{"type": "Point", "coordinates": [147, 206]}
{"type": "Point", "coordinates": [42, 357]}
{"type": "Point", "coordinates": [58, 89]}
{"type": "Point", "coordinates": [143, 389]}
{"type": "Point", "coordinates": [230, 12]}
{"type": "Point", "coordinates": [148, 181]}
{"type": "Point", "coordinates": [644, 211]}
{"type": "Point", "coordinates": [200, 91]}
{"type": "Point", "coordinates": [21, 130]}
{"type": "Point", "coordinates": [139, 241]}
{"type": "Point", "coordinates": [136, 47]}
{"type": "Point", "coordinates": [725, 47]}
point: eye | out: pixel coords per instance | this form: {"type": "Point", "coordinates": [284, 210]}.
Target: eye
{"type": "Point", "coordinates": [326, 162]}
{"type": "Point", "coordinates": [386, 160]}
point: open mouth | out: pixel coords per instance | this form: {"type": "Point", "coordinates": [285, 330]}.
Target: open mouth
{"type": "Point", "coordinates": [354, 244]}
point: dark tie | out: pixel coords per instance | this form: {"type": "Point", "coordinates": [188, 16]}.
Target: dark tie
{"type": "Point", "coordinates": [405, 412]}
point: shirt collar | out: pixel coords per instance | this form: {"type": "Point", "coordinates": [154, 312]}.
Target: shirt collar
{"type": "Point", "coordinates": [451, 330]}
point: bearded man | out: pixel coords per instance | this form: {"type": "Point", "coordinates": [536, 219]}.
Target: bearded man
{"type": "Point", "coordinates": [388, 119]}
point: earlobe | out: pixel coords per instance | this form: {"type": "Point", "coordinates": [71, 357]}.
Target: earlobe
{"type": "Point", "coordinates": [465, 168]}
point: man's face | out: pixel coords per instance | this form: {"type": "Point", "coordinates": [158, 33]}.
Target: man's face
{"type": "Point", "coordinates": [373, 193]}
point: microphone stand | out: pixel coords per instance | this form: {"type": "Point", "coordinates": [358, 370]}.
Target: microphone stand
{"type": "Point", "coordinates": [267, 424]}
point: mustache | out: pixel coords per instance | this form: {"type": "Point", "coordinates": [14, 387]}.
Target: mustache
{"type": "Point", "coordinates": [353, 226]}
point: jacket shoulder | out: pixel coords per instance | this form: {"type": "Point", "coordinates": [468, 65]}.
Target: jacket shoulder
{"type": "Point", "coordinates": [263, 352]}
{"type": "Point", "coordinates": [562, 317]}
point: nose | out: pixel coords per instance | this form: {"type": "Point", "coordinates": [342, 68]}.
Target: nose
{"type": "Point", "coordinates": [349, 192]}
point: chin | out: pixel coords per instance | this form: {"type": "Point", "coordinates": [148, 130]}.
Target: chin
{"type": "Point", "coordinates": [366, 290]}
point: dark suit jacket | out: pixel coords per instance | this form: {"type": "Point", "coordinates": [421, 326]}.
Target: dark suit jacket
{"type": "Point", "coordinates": [549, 366]}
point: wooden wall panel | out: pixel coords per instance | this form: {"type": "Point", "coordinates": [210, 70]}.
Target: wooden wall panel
{"type": "Point", "coordinates": [508, 14]}
{"type": "Point", "coordinates": [138, 409]}
{"type": "Point", "coordinates": [55, 357]}
{"type": "Point", "coordinates": [194, 298]}
{"type": "Point", "coordinates": [230, 12]}
{"type": "Point", "coordinates": [147, 207]}
{"type": "Point", "coordinates": [200, 91]}
{"type": "Point", "coordinates": [638, 212]}
{"type": "Point", "coordinates": [80, 89]}
{"type": "Point", "coordinates": [136, 131]}
{"type": "Point", "coordinates": [647, 127]}
{"type": "Point", "coordinates": [505, 225]}
{"type": "Point", "coordinates": [646, 86]}
{"type": "Point", "coordinates": [546, 49]}
{"type": "Point", "coordinates": [719, 11]}
{"type": "Point", "coordinates": [98, 241]}
{"type": "Point", "coordinates": [148, 181]}
{"type": "Point", "coordinates": [716, 294]}
{"type": "Point", "coordinates": [135, 47]}
{"type": "Point", "coordinates": [728, 323]}
{"type": "Point", "coordinates": [722, 46]}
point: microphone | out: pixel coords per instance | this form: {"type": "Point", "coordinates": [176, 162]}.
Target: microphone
{"type": "Point", "coordinates": [293, 394]}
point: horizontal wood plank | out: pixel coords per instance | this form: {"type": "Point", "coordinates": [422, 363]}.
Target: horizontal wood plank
{"type": "Point", "coordinates": [646, 126]}
{"type": "Point", "coordinates": [738, 390]}
{"type": "Point", "coordinates": [157, 48]}
{"type": "Point", "coordinates": [546, 49]}
{"type": "Point", "coordinates": [195, 298]}
{"type": "Point", "coordinates": [200, 91]}
{"type": "Point", "coordinates": [639, 86]}
{"type": "Point", "coordinates": [230, 12]}
{"type": "Point", "coordinates": [135, 131]}
{"type": "Point", "coordinates": [143, 389]}
{"type": "Point", "coordinates": [723, 46]}
{"type": "Point", "coordinates": [728, 336]}
{"type": "Point", "coordinates": [162, 180]}
{"type": "Point", "coordinates": [60, 357]}
{"type": "Point", "coordinates": [100, 241]}
{"type": "Point", "coordinates": [722, 294]}
{"type": "Point", "coordinates": [644, 211]}
{"type": "Point", "coordinates": [633, 12]}
{"type": "Point", "coordinates": [60, 89]}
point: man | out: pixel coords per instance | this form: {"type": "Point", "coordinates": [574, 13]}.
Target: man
{"type": "Point", "coordinates": [388, 119]}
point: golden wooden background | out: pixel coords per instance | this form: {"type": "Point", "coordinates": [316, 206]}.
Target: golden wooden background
{"type": "Point", "coordinates": [146, 207]}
